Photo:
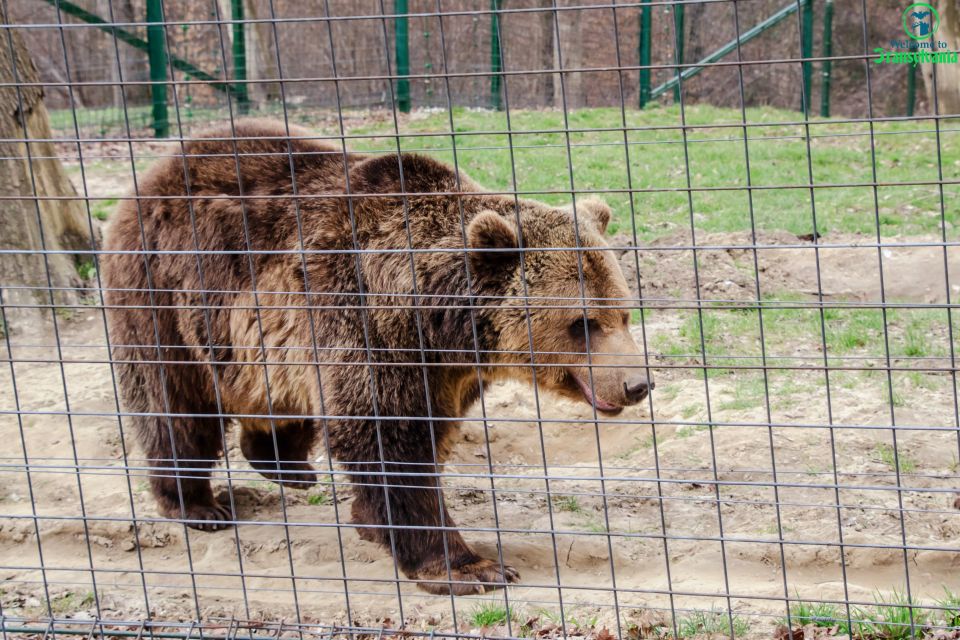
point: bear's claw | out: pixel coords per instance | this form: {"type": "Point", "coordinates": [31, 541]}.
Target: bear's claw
{"type": "Point", "coordinates": [205, 517]}
{"type": "Point", "coordinates": [470, 579]}
{"type": "Point", "coordinates": [295, 475]}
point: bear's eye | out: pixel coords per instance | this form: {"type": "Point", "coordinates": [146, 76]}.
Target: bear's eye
{"type": "Point", "coordinates": [578, 329]}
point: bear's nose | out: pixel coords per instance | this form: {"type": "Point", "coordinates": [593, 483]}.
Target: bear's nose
{"type": "Point", "coordinates": [636, 388]}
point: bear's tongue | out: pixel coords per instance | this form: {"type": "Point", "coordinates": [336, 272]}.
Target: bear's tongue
{"type": "Point", "coordinates": [598, 403]}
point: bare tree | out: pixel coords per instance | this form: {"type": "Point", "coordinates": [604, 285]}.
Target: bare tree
{"type": "Point", "coordinates": [948, 75]}
{"type": "Point", "coordinates": [29, 173]}
{"type": "Point", "coordinates": [547, 55]}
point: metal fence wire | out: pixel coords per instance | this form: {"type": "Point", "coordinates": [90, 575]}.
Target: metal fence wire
{"type": "Point", "coordinates": [466, 367]}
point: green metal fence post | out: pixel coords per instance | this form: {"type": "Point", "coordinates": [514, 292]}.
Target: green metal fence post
{"type": "Point", "coordinates": [827, 63]}
{"type": "Point", "coordinates": [239, 58]}
{"type": "Point", "coordinates": [645, 53]}
{"type": "Point", "coordinates": [157, 57]}
{"type": "Point", "coordinates": [496, 62]}
{"type": "Point", "coordinates": [401, 35]}
{"type": "Point", "coordinates": [807, 53]}
{"type": "Point", "coordinates": [678, 32]}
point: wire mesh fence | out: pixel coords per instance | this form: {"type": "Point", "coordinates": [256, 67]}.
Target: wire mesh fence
{"type": "Point", "coordinates": [482, 355]}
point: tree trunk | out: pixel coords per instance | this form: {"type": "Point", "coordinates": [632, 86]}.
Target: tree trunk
{"type": "Point", "coordinates": [948, 75]}
{"type": "Point", "coordinates": [261, 63]}
{"type": "Point", "coordinates": [547, 56]}
{"type": "Point", "coordinates": [29, 223]}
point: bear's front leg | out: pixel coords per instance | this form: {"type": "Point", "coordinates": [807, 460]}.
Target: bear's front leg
{"type": "Point", "coordinates": [403, 511]}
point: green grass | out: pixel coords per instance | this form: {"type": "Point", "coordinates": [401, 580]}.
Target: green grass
{"type": "Point", "coordinates": [569, 504]}
{"type": "Point", "coordinates": [748, 392]}
{"type": "Point", "coordinates": [101, 209]}
{"type": "Point", "coordinates": [840, 153]}
{"type": "Point", "coordinates": [87, 270]}
{"type": "Point", "coordinates": [709, 623]}
{"type": "Point", "coordinates": [489, 615]}
{"type": "Point", "coordinates": [688, 430]}
{"type": "Point", "coordinates": [688, 411]}
{"type": "Point", "coordinates": [950, 614]}
{"type": "Point", "coordinates": [71, 602]}
{"type": "Point", "coordinates": [316, 499]}
{"type": "Point", "coordinates": [900, 618]}
{"type": "Point", "coordinates": [819, 614]}
{"type": "Point", "coordinates": [890, 458]}
{"type": "Point", "coordinates": [791, 320]}
{"type": "Point", "coordinates": [894, 617]}
{"type": "Point", "coordinates": [574, 621]}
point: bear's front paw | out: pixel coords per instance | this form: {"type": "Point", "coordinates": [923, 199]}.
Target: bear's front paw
{"type": "Point", "coordinates": [470, 579]}
{"type": "Point", "coordinates": [293, 475]}
{"type": "Point", "coordinates": [211, 516]}
{"type": "Point", "coordinates": [956, 503]}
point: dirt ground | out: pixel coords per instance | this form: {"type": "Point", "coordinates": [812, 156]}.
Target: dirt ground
{"type": "Point", "coordinates": [736, 516]}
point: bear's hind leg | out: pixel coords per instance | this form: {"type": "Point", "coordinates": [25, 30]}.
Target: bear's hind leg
{"type": "Point", "coordinates": [286, 461]}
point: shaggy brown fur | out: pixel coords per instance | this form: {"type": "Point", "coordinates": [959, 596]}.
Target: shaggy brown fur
{"type": "Point", "coordinates": [204, 323]}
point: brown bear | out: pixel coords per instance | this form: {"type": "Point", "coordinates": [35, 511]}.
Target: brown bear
{"type": "Point", "coordinates": [358, 300]}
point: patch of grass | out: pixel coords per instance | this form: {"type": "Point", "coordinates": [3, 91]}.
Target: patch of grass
{"type": "Point", "coordinates": [819, 614]}
{"type": "Point", "coordinates": [950, 614]}
{"type": "Point", "coordinates": [689, 410]}
{"type": "Point", "coordinates": [582, 623]}
{"type": "Point", "coordinates": [640, 444]}
{"type": "Point", "coordinates": [489, 615]}
{"type": "Point", "coordinates": [569, 504]}
{"type": "Point", "coordinates": [573, 620]}
{"type": "Point", "coordinates": [900, 618]}
{"type": "Point", "coordinates": [890, 458]}
{"type": "Point", "coordinates": [595, 526]}
{"type": "Point", "coordinates": [262, 485]}
{"type": "Point", "coordinates": [668, 393]}
{"type": "Point", "coordinates": [748, 392]}
{"type": "Point", "coordinates": [101, 209]}
{"type": "Point", "coordinates": [87, 270]}
{"type": "Point", "coordinates": [851, 329]}
{"type": "Point", "coordinates": [791, 319]}
{"type": "Point", "coordinates": [317, 499]}
{"type": "Point", "coordinates": [688, 430]}
{"type": "Point", "coordinates": [71, 602]}
{"type": "Point", "coordinates": [915, 343]}
{"type": "Point", "coordinates": [922, 380]}
{"type": "Point", "coordinates": [711, 623]}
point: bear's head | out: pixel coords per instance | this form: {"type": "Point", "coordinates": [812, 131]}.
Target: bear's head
{"type": "Point", "coordinates": [562, 300]}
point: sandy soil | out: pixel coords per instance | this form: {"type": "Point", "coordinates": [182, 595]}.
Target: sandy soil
{"type": "Point", "coordinates": [671, 527]}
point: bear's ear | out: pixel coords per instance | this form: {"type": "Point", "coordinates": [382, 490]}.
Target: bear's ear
{"type": "Point", "coordinates": [490, 230]}
{"type": "Point", "coordinates": [593, 210]}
